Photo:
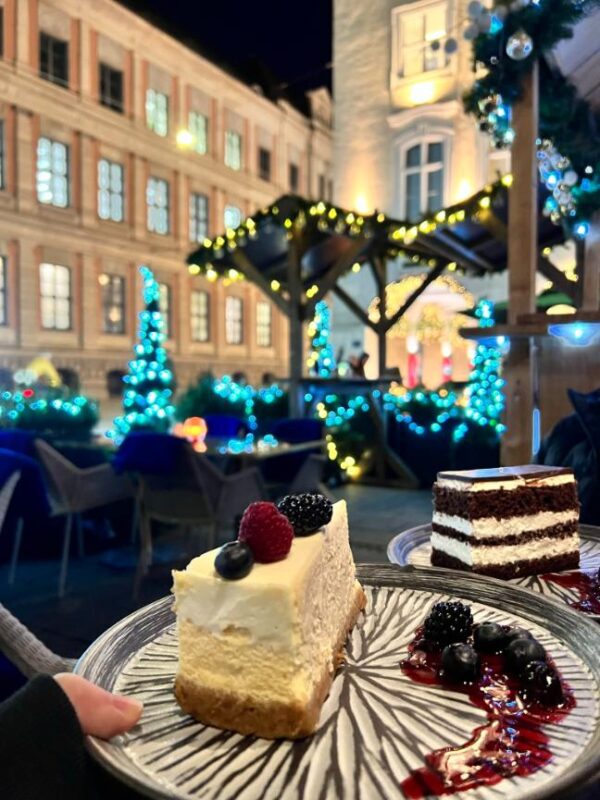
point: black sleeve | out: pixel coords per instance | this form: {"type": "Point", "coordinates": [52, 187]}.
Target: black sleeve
{"type": "Point", "coordinates": [42, 751]}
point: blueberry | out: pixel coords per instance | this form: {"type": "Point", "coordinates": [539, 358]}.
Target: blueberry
{"type": "Point", "coordinates": [234, 561]}
{"type": "Point", "coordinates": [521, 652]}
{"type": "Point", "coordinates": [515, 632]}
{"type": "Point", "coordinates": [541, 683]}
{"type": "Point", "coordinates": [460, 663]}
{"type": "Point", "coordinates": [489, 637]}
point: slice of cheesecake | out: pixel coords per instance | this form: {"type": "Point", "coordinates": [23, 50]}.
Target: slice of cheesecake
{"type": "Point", "coordinates": [258, 655]}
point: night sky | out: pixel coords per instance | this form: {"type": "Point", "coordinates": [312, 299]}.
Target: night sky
{"type": "Point", "coordinates": [292, 39]}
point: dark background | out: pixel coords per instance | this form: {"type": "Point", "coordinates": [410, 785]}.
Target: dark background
{"type": "Point", "coordinates": [283, 46]}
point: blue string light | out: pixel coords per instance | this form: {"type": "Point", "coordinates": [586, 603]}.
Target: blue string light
{"type": "Point", "coordinates": [148, 394]}
{"type": "Point", "coordinates": [321, 360]}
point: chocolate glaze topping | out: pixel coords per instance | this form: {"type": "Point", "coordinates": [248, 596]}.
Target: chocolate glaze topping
{"type": "Point", "coordinates": [532, 471]}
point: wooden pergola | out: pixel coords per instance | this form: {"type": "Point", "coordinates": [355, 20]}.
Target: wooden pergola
{"type": "Point", "coordinates": [296, 251]}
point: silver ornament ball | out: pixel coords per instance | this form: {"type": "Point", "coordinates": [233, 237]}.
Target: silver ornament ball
{"type": "Point", "coordinates": [471, 32]}
{"type": "Point", "coordinates": [570, 177]}
{"type": "Point", "coordinates": [450, 46]}
{"type": "Point", "coordinates": [474, 9]}
{"type": "Point", "coordinates": [519, 46]}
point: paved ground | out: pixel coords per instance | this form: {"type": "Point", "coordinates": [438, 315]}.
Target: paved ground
{"type": "Point", "coordinates": [99, 594]}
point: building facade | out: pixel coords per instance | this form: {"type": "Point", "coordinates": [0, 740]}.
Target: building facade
{"type": "Point", "coordinates": [402, 143]}
{"type": "Point", "coordinates": [119, 147]}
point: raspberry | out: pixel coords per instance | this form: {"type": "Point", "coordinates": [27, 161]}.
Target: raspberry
{"type": "Point", "coordinates": [307, 512]}
{"type": "Point", "coordinates": [267, 533]}
{"type": "Point", "coordinates": [448, 622]}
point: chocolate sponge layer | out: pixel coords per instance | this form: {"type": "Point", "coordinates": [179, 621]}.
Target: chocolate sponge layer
{"type": "Point", "coordinates": [502, 503]}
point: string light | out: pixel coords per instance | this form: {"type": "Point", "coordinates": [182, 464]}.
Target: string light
{"type": "Point", "coordinates": [321, 360]}
{"type": "Point", "coordinates": [148, 394]}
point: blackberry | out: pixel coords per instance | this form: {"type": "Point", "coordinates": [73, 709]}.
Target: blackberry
{"type": "Point", "coordinates": [307, 512]}
{"type": "Point", "coordinates": [448, 623]}
{"type": "Point", "coordinates": [541, 683]}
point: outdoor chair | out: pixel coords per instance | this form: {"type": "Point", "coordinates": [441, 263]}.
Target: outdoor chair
{"type": "Point", "coordinates": [73, 491]}
{"type": "Point", "coordinates": [26, 652]}
{"type": "Point", "coordinates": [178, 486]}
{"type": "Point", "coordinates": [6, 495]}
{"type": "Point", "coordinates": [18, 441]}
{"type": "Point", "coordinates": [29, 505]}
{"type": "Point", "coordinates": [224, 426]}
{"type": "Point", "coordinates": [291, 473]}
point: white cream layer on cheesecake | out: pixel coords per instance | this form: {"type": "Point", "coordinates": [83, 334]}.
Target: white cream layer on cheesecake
{"type": "Point", "coordinates": [492, 527]}
{"type": "Point", "coordinates": [505, 485]}
{"type": "Point", "coordinates": [291, 611]}
{"type": "Point", "coordinates": [546, 547]}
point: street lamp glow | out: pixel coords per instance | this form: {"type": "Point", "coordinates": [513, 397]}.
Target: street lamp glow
{"type": "Point", "coordinates": [184, 138]}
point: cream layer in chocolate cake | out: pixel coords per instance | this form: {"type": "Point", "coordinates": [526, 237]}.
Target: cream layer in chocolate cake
{"type": "Point", "coordinates": [506, 522]}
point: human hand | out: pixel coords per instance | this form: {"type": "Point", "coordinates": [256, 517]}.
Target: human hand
{"type": "Point", "coordinates": [99, 712]}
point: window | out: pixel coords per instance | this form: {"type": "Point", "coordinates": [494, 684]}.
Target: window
{"type": "Point", "coordinates": [198, 217]}
{"type": "Point", "coordinates": [2, 158]}
{"type": "Point", "coordinates": [157, 112]}
{"type": "Point", "coordinates": [3, 298]}
{"type": "Point", "coordinates": [294, 177]}
{"type": "Point", "coordinates": [263, 324]}
{"type": "Point", "coordinates": [110, 190]}
{"type": "Point", "coordinates": [113, 303]}
{"type": "Point", "coordinates": [198, 127]}
{"type": "Point", "coordinates": [114, 382]}
{"type": "Point", "coordinates": [330, 190]}
{"type": "Point", "coordinates": [321, 182]}
{"type": "Point", "coordinates": [55, 293]}
{"type": "Point", "coordinates": [157, 203]}
{"type": "Point", "coordinates": [423, 179]}
{"type": "Point", "coordinates": [264, 163]}
{"type": "Point", "coordinates": [200, 316]}
{"type": "Point", "coordinates": [164, 306]}
{"type": "Point", "coordinates": [111, 87]}
{"type": "Point", "coordinates": [234, 332]}
{"type": "Point", "coordinates": [232, 217]}
{"type": "Point", "coordinates": [52, 172]}
{"type": "Point", "coordinates": [54, 59]}
{"type": "Point", "coordinates": [233, 150]}
{"type": "Point", "coordinates": [414, 31]}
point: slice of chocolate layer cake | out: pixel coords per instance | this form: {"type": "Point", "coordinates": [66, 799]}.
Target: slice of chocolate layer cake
{"type": "Point", "coordinates": [506, 522]}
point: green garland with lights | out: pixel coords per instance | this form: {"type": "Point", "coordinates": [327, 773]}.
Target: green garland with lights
{"type": "Point", "coordinates": [48, 411]}
{"type": "Point", "coordinates": [568, 126]}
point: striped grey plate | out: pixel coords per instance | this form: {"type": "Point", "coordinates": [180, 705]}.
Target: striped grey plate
{"type": "Point", "coordinates": [412, 547]}
{"type": "Point", "coordinates": [376, 725]}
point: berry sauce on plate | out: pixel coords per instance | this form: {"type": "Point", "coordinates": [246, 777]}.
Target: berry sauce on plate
{"type": "Point", "coordinates": [586, 584]}
{"type": "Point", "coordinates": [511, 742]}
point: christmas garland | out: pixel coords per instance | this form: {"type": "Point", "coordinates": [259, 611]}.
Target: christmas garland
{"type": "Point", "coordinates": [506, 43]}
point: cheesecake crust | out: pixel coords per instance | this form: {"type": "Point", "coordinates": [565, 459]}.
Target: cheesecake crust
{"type": "Point", "coordinates": [273, 720]}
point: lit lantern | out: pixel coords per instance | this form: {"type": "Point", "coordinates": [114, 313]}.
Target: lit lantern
{"type": "Point", "coordinates": [194, 429]}
{"type": "Point", "coordinates": [446, 361]}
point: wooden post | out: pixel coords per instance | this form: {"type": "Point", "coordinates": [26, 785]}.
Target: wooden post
{"type": "Point", "coordinates": [379, 265]}
{"type": "Point", "coordinates": [590, 280]}
{"type": "Point", "coordinates": [522, 262]}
